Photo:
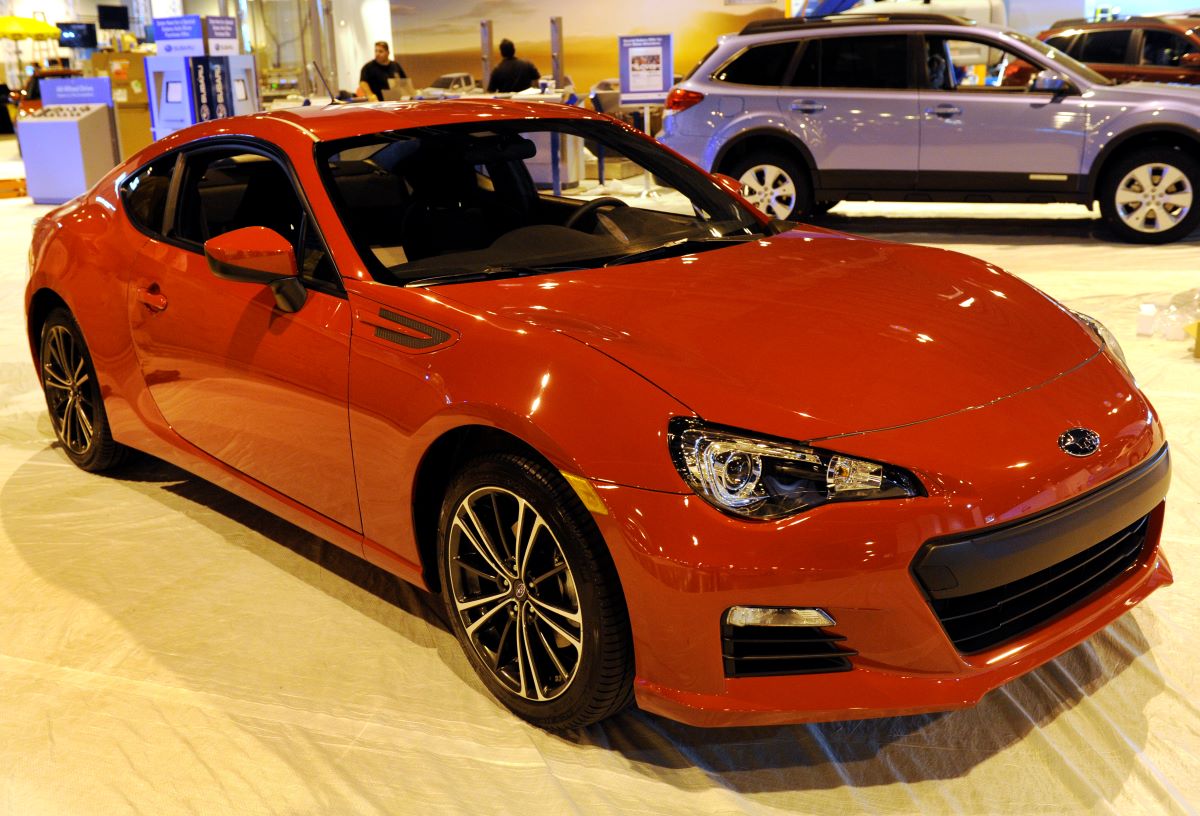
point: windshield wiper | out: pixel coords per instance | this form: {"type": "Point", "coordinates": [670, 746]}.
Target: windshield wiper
{"type": "Point", "coordinates": [486, 273]}
{"type": "Point", "coordinates": [644, 254]}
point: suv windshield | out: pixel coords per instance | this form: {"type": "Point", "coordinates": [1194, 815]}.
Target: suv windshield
{"type": "Point", "coordinates": [466, 201]}
{"type": "Point", "coordinates": [1069, 62]}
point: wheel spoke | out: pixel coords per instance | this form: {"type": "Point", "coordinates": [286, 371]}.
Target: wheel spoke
{"type": "Point", "coordinates": [1127, 196]}
{"type": "Point", "coordinates": [473, 603]}
{"type": "Point", "coordinates": [534, 679]}
{"type": "Point", "coordinates": [550, 653]}
{"type": "Point", "coordinates": [1142, 175]}
{"type": "Point", "coordinates": [66, 423]}
{"type": "Point", "coordinates": [463, 565]}
{"type": "Point", "coordinates": [504, 633]}
{"type": "Point", "coordinates": [485, 617]}
{"type": "Point", "coordinates": [524, 551]}
{"type": "Point", "coordinates": [500, 527]}
{"type": "Point", "coordinates": [484, 550]}
{"type": "Point", "coordinates": [52, 380]}
{"type": "Point", "coordinates": [85, 425]}
{"type": "Point", "coordinates": [573, 639]}
{"type": "Point", "coordinates": [550, 574]}
{"type": "Point", "coordinates": [1137, 218]}
{"type": "Point", "coordinates": [521, 645]}
{"type": "Point", "coordinates": [1170, 177]}
{"type": "Point", "coordinates": [1181, 200]}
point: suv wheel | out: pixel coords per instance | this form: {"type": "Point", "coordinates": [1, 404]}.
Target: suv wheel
{"type": "Point", "coordinates": [1151, 196]}
{"type": "Point", "coordinates": [774, 183]}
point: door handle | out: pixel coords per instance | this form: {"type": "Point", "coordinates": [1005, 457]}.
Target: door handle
{"type": "Point", "coordinates": [807, 106]}
{"type": "Point", "coordinates": [944, 111]}
{"type": "Point", "coordinates": [153, 299]}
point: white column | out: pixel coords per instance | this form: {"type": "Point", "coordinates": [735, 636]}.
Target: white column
{"type": "Point", "coordinates": [357, 24]}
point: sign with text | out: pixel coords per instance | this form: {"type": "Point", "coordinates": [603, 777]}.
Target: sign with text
{"type": "Point", "coordinates": [77, 91]}
{"type": "Point", "coordinates": [179, 36]}
{"type": "Point", "coordinates": [221, 35]}
{"type": "Point", "coordinates": [647, 68]}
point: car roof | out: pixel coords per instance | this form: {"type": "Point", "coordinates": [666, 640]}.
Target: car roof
{"type": "Point", "coordinates": [852, 19]}
{"type": "Point", "coordinates": [1181, 22]}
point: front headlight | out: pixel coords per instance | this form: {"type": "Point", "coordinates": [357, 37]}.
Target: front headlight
{"type": "Point", "coordinates": [1107, 338]}
{"type": "Point", "coordinates": [764, 479]}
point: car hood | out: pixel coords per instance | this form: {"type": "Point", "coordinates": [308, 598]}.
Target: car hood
{"type": "Point", "coordinates": [807, 335]}
{"type": "Point", "coordinates": [1140, 93]}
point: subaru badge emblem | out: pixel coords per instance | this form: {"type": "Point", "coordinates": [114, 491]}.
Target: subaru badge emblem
{"type": "Point", "coordinates": [1079, 441]}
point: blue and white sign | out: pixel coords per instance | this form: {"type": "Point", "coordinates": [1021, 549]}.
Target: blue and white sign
{"type": "Point", "coordinates": [647, 68]}
{"type": "Point", "coordinates": [221, 33]}
{"type": "Point", "coordinates": [77, 91]}
{"type": "Point", "coordinates": [179, 36]}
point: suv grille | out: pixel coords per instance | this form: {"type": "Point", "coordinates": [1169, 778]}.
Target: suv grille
{"type": "Point", "coordinates": [756, 651]}
{"type": "Point", "coordinates": [985, 619]}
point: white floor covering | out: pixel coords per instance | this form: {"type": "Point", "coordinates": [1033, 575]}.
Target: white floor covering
{"type": "Point", "coordinates": [166, 648]}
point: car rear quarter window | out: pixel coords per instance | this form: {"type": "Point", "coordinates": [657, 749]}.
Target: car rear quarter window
{"type": "Point", "coordinates": [1109, 46]}
{"type": "Point", "coordinates": [879, 62]}
{"type": "Point", "coordinates": [1060, 41]}
{"type": "Point", "coordinates": [145, 194]}
{"type": "Point", "coordinates": [759, 65]}
{"type": "Point", "coordinates": [1164, 47]}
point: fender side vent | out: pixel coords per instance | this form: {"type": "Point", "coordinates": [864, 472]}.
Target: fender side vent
{"type": "Point", "coordinates": [420, 335]}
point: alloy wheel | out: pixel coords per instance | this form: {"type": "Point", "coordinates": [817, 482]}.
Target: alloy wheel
{"type": "Point", "coordinates": [515, 594]}
{"type": "Point", "coordinates": [770, 189]}
{"type": "Point", "coordinates": [68, 388]}
{"type": "Point", "coordinates": [1154, 197]}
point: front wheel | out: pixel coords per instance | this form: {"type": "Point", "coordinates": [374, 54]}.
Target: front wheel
{"type": "Point", "coordinates": [1150, 196]}
{"type": "Point", "coordinates": [532, 595]}
{"type": "Point", "coordinates": [73, 395]}
{"type": "Point", "coordinates": [775, 183]}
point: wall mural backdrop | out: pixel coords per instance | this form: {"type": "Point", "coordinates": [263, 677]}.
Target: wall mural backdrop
{"type": "Point", "coordinates": [434, 37]}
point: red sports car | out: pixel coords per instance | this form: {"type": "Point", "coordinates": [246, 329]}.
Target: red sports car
{"type": "Point", "coordinates": [644, 443]}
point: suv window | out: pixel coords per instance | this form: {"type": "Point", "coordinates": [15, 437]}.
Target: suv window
{"type": "Point", "coordinates": [1164, 48]}
{"type": "Point", "coordinates": [1060, 41]}
{"type": "Point", "coordinates": [760, 65]}
{"type": "Point", "coordinates": [854, 62]}
{"type": "Point", "coordinates": [1109, 46]}
{"type": "Point", "coordinates": [230, 188]}
{"type": "Point", "coordinates": [145, 194]}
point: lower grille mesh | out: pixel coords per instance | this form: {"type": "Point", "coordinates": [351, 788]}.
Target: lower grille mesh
{"type": "Point", "coordinates": [985, 619]}
{"type": "Point", "coordinates": [756, 651]}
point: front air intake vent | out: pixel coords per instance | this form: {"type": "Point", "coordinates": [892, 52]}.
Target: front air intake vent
{"type": "Point", "coordinates": [759, 651]}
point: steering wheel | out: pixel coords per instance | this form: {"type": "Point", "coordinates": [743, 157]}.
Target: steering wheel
{"type": "Point", "coordinates": [590, 207]}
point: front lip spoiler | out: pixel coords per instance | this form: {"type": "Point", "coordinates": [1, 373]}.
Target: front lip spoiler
{"type": "Point", "coordinates": [964, 564]}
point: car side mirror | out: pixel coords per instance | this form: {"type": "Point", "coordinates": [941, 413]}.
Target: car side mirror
{"type": "Point", "coordinates": [728, 183]}
{"type": "Point", "coordinates": [258, 255]}
{"type": "Point", "coordinates": [1191, 60]}
{"type": "Point", "coordinates": [1053, 81]}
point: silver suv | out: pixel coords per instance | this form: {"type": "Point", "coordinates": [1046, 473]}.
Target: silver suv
{"type": "Point", "coordinates": [935, 108]}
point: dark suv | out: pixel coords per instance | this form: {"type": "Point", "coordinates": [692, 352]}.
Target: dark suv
{"type": "Point", "coordinates": [1151, 49]}
{"type": "Point", "coordinates": [935, 108]}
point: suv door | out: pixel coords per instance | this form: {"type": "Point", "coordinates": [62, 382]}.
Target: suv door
{"type": "Point", "coordinates": [853, 100]}
{"type": "Point", "coordinates": [1110, 51]}
{"type": "Point", "coordinates": [984, 128]}
{"type": "Point", "coordinates": [262, 390]}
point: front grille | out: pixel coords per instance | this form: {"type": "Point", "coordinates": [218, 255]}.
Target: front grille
{"type": "Point", "coordinates": [757, 651]}
{"type": "Point", "coordinates": [985, 619]}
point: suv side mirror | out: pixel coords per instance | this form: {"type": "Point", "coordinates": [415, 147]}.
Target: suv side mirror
{"type": "Point", "coordinates": [1047, 80]}
{"type": "Point", "coordinates": [258, 255]}
{"type": "Point", "coordinates": [1191, 60]}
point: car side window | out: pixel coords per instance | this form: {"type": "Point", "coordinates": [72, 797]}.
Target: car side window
{"type": "Point", "coordinates": [230, 188]}
{"type": "Point", "coordinates": [975, 66]}
{"type": "Point", "coordinates": [1060, 41]}
{"type": "Point", "coordinates": [764, 65]}
{"type": "Point", "coordinates": [145, 194]}
{"type": "Point", "coordinates": [1164, 48]}
{"type": "Point", "coordinates": [1109, 46]}
{"type": "Point", "coordinates": [879, 62]}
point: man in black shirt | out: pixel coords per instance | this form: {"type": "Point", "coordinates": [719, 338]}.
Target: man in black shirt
{"type": "Point", "coordinates": [512, 74]}
{"type": "Point", "coordinates": [373, 79]}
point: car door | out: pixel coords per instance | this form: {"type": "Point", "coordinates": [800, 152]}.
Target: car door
{"type": "Point", "coordinates": [260, 389]}
{"type": "Point", "coordinates": [984, 128]}
{"type": "Point", "coordinates": [854, 102]}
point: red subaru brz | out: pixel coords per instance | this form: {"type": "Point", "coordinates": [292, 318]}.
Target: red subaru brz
{"type": "Point", "coordinates": [647, 445]}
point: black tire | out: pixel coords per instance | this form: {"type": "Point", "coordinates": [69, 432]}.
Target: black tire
{"type": "Point", "coordinates": [583, 669]}
{"type": "Point", "coordinates": [73, 395]}
{"type": "Point", "coordinates": [822, 208]}
{"type": "Point", "coordinates": [1169, 209]}
{"type": "Point", "coordinates": [764, 178]}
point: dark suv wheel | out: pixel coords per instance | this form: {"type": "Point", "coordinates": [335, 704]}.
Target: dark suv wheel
{"type": "Point", "coordinates": [775, 183]}
{"type": "Point", "coordinates": [1150, 196]}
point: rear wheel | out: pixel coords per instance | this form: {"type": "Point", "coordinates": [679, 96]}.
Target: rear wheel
{"type": "Point", "coordinates": [1150, 196]}
{"type": "Point", "coordinates": [73, 395]}
{"type": "Point", "coordinates": [775, 183]}
{"type": "Point", "coordinates": [532, 595]}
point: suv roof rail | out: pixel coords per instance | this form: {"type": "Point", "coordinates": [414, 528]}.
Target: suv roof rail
{"type": "Point", "coordinates": [800, 23]}
{"type": "Point", "coordinates": [1137, 18]}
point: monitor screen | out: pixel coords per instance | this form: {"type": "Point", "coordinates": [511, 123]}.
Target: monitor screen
{"type": "Point", "coordinates": [77, 35]}
{"type": "Point", "coordinates": [113, 18]}
{"type": "Point", "coordinates": [174, 92]}
{"type": "Point", "coordinates": [239, 90]}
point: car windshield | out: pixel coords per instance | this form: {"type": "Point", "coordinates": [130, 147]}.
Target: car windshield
{"type": "Point", "coordinates": [1063, 59]}
{"type": "Point", "coordinates": [511, 197]}
{"type": "Point", "coordinates": [443, 82]}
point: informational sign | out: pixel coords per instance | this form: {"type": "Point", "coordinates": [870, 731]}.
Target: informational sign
{"type": "Point", "coordinates": [647, 68]}
{"type": "Point", "coordinates": [211, 91]}
{"type": "Point", "coordinates": [77, 91]}
{"type": "Point", "coordinates": [221, 36]}
{"type": "Point", "coordinates": [179, 36]}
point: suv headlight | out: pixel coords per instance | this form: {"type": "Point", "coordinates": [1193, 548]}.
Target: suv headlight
{"type": "Point", "coordinates": [758, 478]}
{"type": "Point", "coordinates": [1106, 338]}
